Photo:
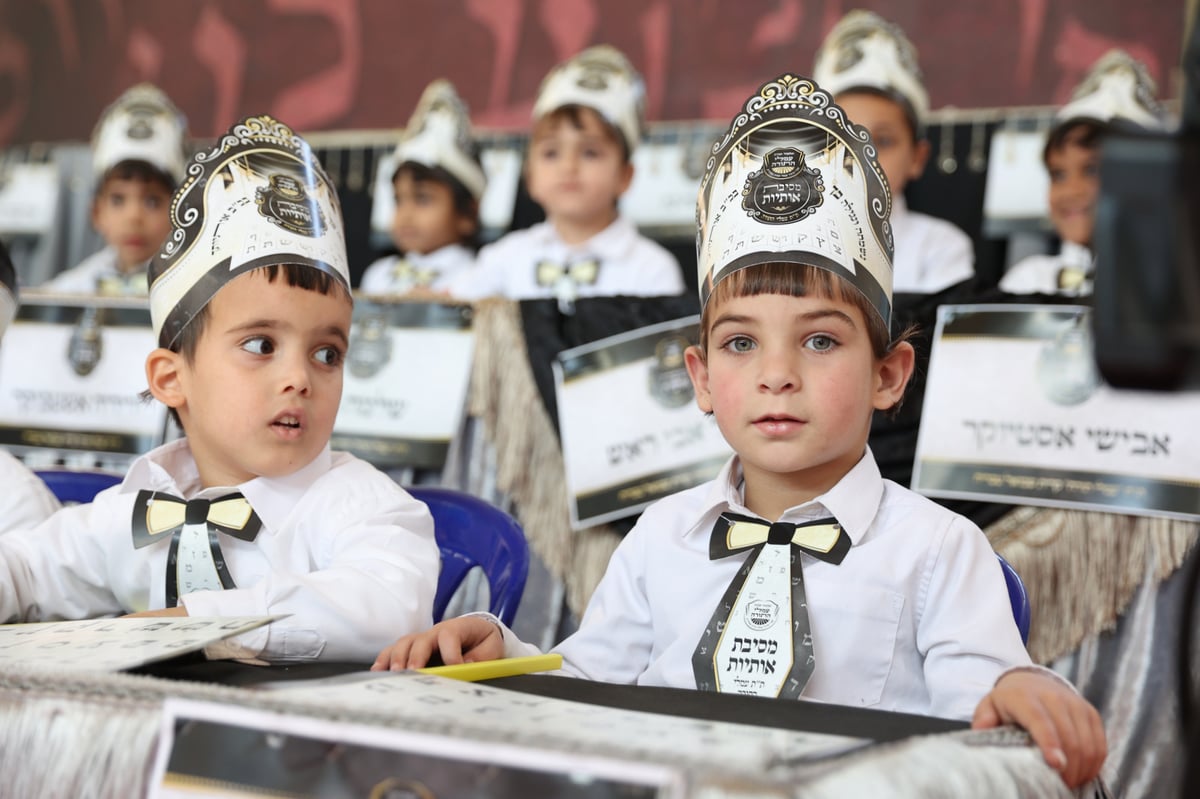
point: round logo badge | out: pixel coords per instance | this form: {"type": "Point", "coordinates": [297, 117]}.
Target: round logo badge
{"type": "Point", "coordinates": [761, 614]}
{"type": "Point", "coordinates": [784, 190]}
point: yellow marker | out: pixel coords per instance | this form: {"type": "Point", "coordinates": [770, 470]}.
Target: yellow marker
{"type": "Point", "coordinates": [493, 669]}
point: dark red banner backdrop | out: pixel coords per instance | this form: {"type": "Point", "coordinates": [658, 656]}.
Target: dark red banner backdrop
{"type": "Point", "coordinates": [361, 64]}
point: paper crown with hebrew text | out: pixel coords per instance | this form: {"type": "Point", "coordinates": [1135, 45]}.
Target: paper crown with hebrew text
{"type": "Point", "coordinates": [141, 125]}
{"type": "Point", "coordinates": [439, 135]}
{"type": "Point", "coordinates": [865, 51]}
{"type": "Point", "coordinates": [794, 181]}
{"type": "Point", "coordinates": [1118, 89]}
{"type": "Point", "coordinates": [602, 79]}
{"type": "Point", "coordinates": [8, 290]}
{"type": "Point", "coordinates": [258, 197]}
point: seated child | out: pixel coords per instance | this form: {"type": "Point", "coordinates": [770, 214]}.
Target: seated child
{"type": "Point", "coordinates": [438, 183]}
{"type": "Point", "coordinates": [137, 157]}
{"type": "Point", "coordinates": [1116, 94]}
{"type": "Point", "coordinates": [250, 513]}
{"type": "Point", "coordinates": [586, 121]}
{"type": "Point", "coordinates": [24, 501]}
{"type": "Point", "coordinates": [897, 603]}
{"type": "Point", "coordinates": [870, 67]}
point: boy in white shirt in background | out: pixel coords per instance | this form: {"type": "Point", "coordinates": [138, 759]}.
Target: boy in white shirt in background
{"type": "Point", "coordinates": [1117, 93]}
{"type": "Point", "coordinates": [897, 603]}
{"type": "Point", "coordinates": [137, 158]}
{"type": "Point", "coordinates": [437, 186]}
{"type": "Point", "coordinates": [870, 67]}
{"type": "Point", "coordinates": [24, 499]}
{"type": "Point", "coordinates": [587, 122]}
{"type": "Point", "coordinates": [250, 513]}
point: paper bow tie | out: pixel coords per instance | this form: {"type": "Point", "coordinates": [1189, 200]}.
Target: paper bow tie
{"type": "Point", "coordinates": [581, 273]}
{"type": "Point", "coordinates": [404, 272]}
{"type": "Point", "coordinates": [1071, 278]}
{"type": "Point", "coordinates": [133, 285]}
{"type": "Point", "coordinates": [823, 539]}
{"type": "Point", "coordinates": [155, 514]}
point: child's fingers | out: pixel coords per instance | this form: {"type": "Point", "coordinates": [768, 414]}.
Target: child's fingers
{"type": "Point", "coordinates": [449, 645]}
{"type": "Point", "coordinates": [1086, 745]}
{"type": "Point", "coordinates": [985, 716]}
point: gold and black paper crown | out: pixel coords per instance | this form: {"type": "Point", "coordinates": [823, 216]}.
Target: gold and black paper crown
{"type": "Point", "coordinates": [600, 78]}
{"type": "Point", "coordinates": [140, 125]}
{"type": "Point", "coordinates": [1117, 89]}
{"type": "Point", "coordinates": [439, 135]}
{"type": "Point", "coordinates": [258, 197]}
{"type": "Point", "coordinates": [865, 51]}
{"type": "Point", "coordinates": [793, 180]}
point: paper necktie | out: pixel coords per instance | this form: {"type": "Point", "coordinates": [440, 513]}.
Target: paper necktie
{"type": "Point", "coordinates": [195, 561]}
{"type": "Point", "coordinates": [758, 640]}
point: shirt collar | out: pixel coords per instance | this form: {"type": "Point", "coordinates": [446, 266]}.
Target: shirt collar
{"type": "Point", "coordinates": [612, 243]}
{"type": "Point", "coordinates": [1076, 255]}
{"type": "Point", "coordinates": [853, 501]}
{"type": "Point", "coordinates": [171, 468]}
{"type": "Point", "coordinates": [450, 255]}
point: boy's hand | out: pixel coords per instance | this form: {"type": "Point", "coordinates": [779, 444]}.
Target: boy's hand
{"type": "Point", "coordinates": [1062, 723]}
{"type": "Point", "coordinates": [178, 610]}
{"type": "Point", "coordinates": [467, 639]}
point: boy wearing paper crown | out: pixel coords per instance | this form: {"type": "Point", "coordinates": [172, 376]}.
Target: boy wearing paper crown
{"type": "Point", "coordinates": [1117, 93]}
{"type": "Point", "coordinates": [587, 120]}
{"type": "Point", "coordinates": [24, 500]}
{"type": "Point", "coordinates": [250, 513]}
{"type": "Point", "coordinates": [137, 159]}
{"type": "Point", "coordinates": [799, 572]}
{"type": "Point", "coordinates": [437, 185]}
{"type": "Point", "coordinates": [870, 68]}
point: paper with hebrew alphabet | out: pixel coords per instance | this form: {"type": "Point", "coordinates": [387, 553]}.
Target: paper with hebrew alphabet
{"type": "Point", "coordinates": [631, 432]}
{"type": "Point", "coordinates": [115, 644]}
{"type": "Point", "coordinates": [71, 370]}
{"type": "Point", "coordinates": [1016, 411]}
{"type": "Point", "coordinates": [427, 700]}
{"type": "Point", "coordinates": [405, 382]}
{"type": "Point", "coordinates": [216, 750]}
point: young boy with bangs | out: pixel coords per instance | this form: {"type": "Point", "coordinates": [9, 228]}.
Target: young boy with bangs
{"type": "Point", "coordinates": [137, 157]}
{"type": "Point", "coordinates": [1117, 94]}
{"type": "Point", "coordinates": [845, 587]}
{"type": "Point", "coordinates": [250, 513]}
{"type": "Point", "coordinates": [587, 121]}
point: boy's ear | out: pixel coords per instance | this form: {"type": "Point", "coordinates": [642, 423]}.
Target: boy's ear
{"type": "Point", "coordinates": [892, 374]}
{"type": "Point", "coordinates": [626, 177]}
{"type": "Point", "coordinates": [919, 159]}
{"type": "Point", "coordinates": [697, 369]}
{"type": "Point", "coordinates": [163, 375]}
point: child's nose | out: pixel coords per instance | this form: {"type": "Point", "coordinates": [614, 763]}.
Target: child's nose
{"type": "Point", "coordinates": [778, 373]}
{"type": "Point", "coordinates": [297, 377]}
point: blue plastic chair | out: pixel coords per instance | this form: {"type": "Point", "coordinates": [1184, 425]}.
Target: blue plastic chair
{"type": "Point", "coordinates": [1017, 597]}
{"type": "Point", "coordinates": [75, 486]}
{"type": "Point", "coordinates": [471, 532]}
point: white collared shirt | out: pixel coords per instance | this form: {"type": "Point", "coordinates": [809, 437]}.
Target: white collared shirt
{"type": "Point", "coordinates": [931, 254]}
{"type": "Point", "coordinates": [343, 549]}
{"type": "Point", "coordinates": [629, 265]}
{"type": "Point", "coordinates": [25, 501]}
{"type": "Point", "coordinates": [915, 619]}
{"type": "Point", "coordinates": [1039, 274]}
{"type": "Point", "coordinates": [100, 266]}
{"type": "Point", "coordinates": [433, 270]}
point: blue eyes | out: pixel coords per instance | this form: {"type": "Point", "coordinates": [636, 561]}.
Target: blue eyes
{"type": "Point", "coordinates": [819, 342]}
